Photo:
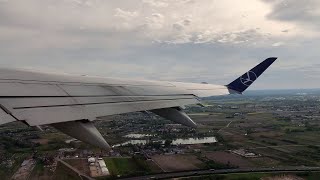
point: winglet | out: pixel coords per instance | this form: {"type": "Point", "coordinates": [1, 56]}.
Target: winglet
{"type": "Point", "coordinates": [243, 82]}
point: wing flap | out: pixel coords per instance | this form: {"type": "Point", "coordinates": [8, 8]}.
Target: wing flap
{"type": "Point", "coordinates": [5, 117]}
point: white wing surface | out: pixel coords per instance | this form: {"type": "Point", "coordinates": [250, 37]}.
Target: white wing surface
{"type": "Point", "coordinates": [70, 103]}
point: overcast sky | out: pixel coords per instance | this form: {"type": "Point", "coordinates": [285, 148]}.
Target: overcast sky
{"type": "Point", "coordinates": [180, 40]}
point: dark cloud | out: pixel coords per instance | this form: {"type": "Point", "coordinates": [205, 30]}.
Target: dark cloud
{"type": "Point", "coordinates": [301, 11]}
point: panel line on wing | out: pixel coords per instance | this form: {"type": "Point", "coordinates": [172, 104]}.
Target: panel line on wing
{"type": "Point", "coordinates": [83, 104]}
{"type": "Point", "coordinates": [97, 96]}
{"type": "Point", "coordinates": [80, 83]}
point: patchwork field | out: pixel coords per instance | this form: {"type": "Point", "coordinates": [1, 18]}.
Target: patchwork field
{"type": "Point", "coordinates": [80, 164]}
{"type": "Point", "coordinates": [127, 166]}
{"type": "Point", "coordinates": [229, 158]}
{"type": "Point", "coordinates": [169, 163]}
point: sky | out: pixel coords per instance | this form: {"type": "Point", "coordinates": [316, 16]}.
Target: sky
{"type": "Point", "coordinates": [212, 41]}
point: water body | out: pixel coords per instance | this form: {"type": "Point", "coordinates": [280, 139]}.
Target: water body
{"type": "Point", "coordinates": [195, 140]}
{"type": "Point", "coordinates": [187, 141]}
{"type": "Point", "coordinates": [137, 135]}
{"type": "Point", "coordinates": [133, 142]}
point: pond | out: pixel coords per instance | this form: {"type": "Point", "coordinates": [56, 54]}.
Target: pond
{"type": "Point", "coordinates": [136, 136]}
{"type": "Point", "coordinates": [186, 141]}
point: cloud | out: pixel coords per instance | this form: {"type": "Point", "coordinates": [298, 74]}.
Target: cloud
{"type": "Point", "coordinates": [156, 3]}
{"type": "Point", "coordinates": [278, 44]}
{"type": "Point", "coordinates": [303, 12]}
{"type": "Point", "coordinates": [184, 40]}
{"type": "Point", "coordinates": [127, 15]}
{"type": "Point", "coordinates": [176, 21]}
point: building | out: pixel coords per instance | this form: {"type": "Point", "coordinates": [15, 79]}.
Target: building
{"type": "Point", "coordinates": [91, 160]}
{"type": "Point", "coordinates": [103, 167]}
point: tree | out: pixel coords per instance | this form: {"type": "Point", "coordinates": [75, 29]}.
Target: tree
{"type": "Point", "coordinates": [167, 142]}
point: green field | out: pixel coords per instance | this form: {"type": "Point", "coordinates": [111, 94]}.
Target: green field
{"type": "Point", "coordinates": [126, 166]}
{"type": "Point", "coordinates": [6, 172]}
{"type": "Point", "coordinates": [64, 173]}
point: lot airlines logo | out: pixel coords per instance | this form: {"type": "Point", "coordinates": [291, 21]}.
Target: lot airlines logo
{"type": "Point", "coordinates": [248, 78]}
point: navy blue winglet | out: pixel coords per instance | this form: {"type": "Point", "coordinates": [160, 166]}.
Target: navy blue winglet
{"type": "Point", "coordinates": [243, 82]}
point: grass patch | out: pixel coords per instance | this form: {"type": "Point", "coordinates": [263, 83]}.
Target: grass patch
{"type": "Point", "coordinates": [126, 166]}
{"type": "Point", "coordinates": [64, 173]}
{"type": "Point", "coordinates": [39, 171]}
{"type": "Point", "coordinates": [7, 172]}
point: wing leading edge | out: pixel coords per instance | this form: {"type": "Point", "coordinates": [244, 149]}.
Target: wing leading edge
{"type": "Point", "coordinates": [71, 103]}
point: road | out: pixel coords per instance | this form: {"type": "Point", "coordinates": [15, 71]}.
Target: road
{"type": "Point", "coordinates": [24, 171]}
{"type": "Point", "coordinates": [225, 126]}
{"type": "Point", "coordinates": [225, 171]}
{"type": "Point", "coordinates": [289, 145]}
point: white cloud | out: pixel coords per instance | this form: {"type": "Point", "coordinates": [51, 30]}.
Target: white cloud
{"type": "Point", "coordinates": [126, 15]}
{"type": "Point", "coordinates": [161, 21]}
{"type": "Point", "coordinates": [278, 44]}
{"type": "Point", "coordinates": [154, 21]}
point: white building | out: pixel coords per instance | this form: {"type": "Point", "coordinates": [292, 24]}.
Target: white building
{"type": "Point", "coordinates": [91, 160]}
{"type": "Point", "coordinates": [103, 167]}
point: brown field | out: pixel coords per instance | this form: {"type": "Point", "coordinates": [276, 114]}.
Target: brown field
{"type": "Point", "coordinates": [269, 134]}
{"type": "Point", "coordinates": [169, 163]}
{"type": "Point", "coordinates": [153, 167]}
{"type": "Point", "coordinates": [80, 164]}
{"type": "Point", "coordinates": [40, 141]}
{"type": "Point", "coordinates": [225, 158]}
{"type": "Point", "coordinates": [265, 162]}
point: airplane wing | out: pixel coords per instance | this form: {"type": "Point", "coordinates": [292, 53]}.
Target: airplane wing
{"type": "Point", "coordinates": [71, 103]}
